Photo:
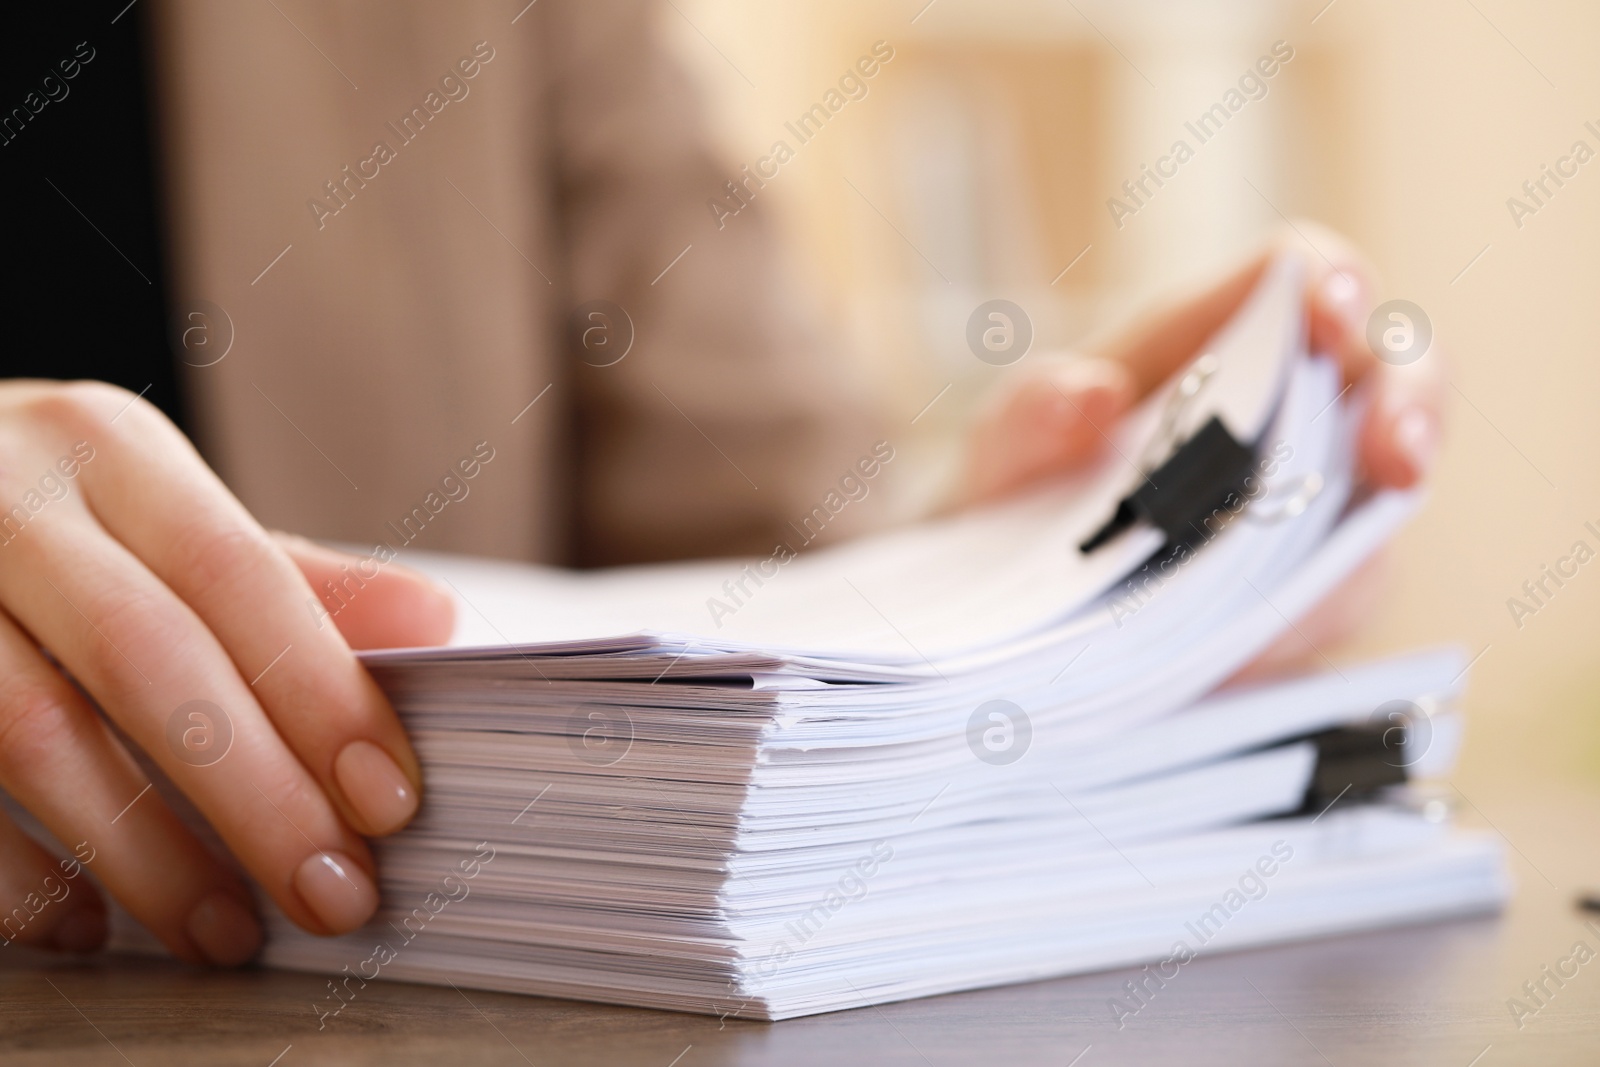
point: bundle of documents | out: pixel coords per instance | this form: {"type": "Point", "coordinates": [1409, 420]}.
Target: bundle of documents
{"type": "Point", "coordinates": [992, 748]}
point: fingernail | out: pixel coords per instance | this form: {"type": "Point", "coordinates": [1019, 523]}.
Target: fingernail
{"type": "Point", "coordinates": [375, 786]}
{"type": "Point", "coordinates": [223, 929]}
{"type": "Point", "coordinates": [340, 892]}
{"type": "Point", "coordinates": [1092, 386]}
{"type": "Point", "coordinates": [82, 931]}
{"type": "Point", "coordinates": [1089, 374]}
{"type": "Point", "coordinates": [1343, 294]}
{"type": "Point", "coordinates": [1417, 438]}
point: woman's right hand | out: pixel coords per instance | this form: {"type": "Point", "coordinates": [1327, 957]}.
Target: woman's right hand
{"type": "Point", "coordinates": [127, 564]}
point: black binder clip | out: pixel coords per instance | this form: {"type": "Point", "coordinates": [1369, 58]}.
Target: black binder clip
{"type": "Point", "coordinates": [1200, 458]}
{"type": "Point", "coordinates": [1199, 480]}
{"type": "Point", "coordinates": [1354, 762]}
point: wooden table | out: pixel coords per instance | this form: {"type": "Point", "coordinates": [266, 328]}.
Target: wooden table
{"type": "Point", "coordinates": [1423, 995]}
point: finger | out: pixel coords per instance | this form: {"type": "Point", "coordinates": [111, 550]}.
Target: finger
{"type": "Point", "coordinates": [1400, 433]}
{"type": "Point", "coordinates": [374, 604]}
{"type": "Point", "coordinates": [208, 550]}
{"type": "Point", "coordinates": [1340, 284]}
{"type": "Point", "coordinates": [1051, 420]}
{"type": "Point", "coordinates": [60, 761]}
{"type": "Point", "coordinates": [147, 659]}
{"type": "Point", "coordinates": [44, 902]}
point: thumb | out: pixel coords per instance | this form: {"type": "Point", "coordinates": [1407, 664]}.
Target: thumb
{"type": "Point", "coordinates": [1048, 422]}
{"type": "Point", "coordinates": [374, 605]}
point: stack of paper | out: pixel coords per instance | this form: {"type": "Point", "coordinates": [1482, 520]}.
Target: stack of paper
{"type": "Point", "coordinates": [953, 756]}
{"type": "Point", "coordinates": [957, 755]}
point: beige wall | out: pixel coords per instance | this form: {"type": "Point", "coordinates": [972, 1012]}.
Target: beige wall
{"type": "Point", "coordinates": [989, 145]}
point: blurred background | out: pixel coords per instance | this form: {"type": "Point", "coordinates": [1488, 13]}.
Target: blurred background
{"type": "Point", "coordinates": [990, 155]}
{"type": "Point", "coordinates": [981, 160]}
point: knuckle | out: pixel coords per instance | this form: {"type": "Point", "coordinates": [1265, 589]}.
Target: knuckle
{"type": "Point", "coordinates": [129, 628]}
{"type": "Point", "coordinates": [215, 556]}
{"type": "Point", "coordinates": [86, 409]}
{"type": "Point", "coordinates": [77, 405]}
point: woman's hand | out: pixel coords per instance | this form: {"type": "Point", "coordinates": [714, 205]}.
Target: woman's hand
{"type": "Point", "coordinates": [1055, 415]}
{"type": "Point", "coordinates": [127, 564]}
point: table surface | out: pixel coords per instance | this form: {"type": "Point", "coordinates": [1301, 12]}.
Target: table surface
{"type": "Point", "coordinates": [1433, 994]}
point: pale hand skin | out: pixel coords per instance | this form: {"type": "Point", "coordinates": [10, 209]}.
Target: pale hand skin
{"type": "Point", "coordinates": [1052, 417]}
{"type": "Point", "coordinates": [150, 583]}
